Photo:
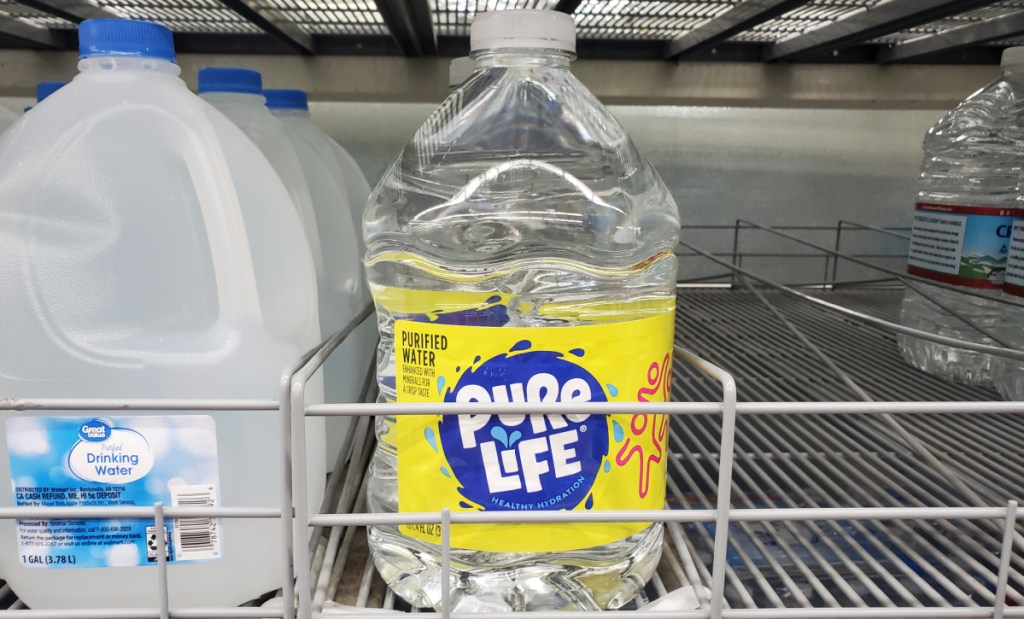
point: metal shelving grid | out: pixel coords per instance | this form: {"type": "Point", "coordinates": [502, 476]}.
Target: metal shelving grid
{"type": "Point", "coordinates": [883, 31]}
{"type": "Point", "coordinates": [818, 477]}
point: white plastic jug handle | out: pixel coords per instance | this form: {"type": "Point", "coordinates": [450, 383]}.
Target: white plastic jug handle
{"type": "Point", "coordinates": [230, 249]}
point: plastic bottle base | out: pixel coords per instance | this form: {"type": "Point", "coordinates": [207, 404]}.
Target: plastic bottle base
{"type": "Point", "coordinates": [518, 582]}
{"type": "Point", "coordinates": [953, 364]}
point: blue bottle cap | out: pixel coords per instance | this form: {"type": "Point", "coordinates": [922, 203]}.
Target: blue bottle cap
{"type": "Point", "coordinates": [225, 79]}
{"type": "Point", "coordinates": [124, 37]}
{"type": "Point", "coordinates": [286, 99]}
{"type": "Point", "coordinates": [45, 89]}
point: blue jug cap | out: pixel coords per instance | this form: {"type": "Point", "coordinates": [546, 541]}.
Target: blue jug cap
{"type": "Point", "coordinates": [230, 79]}
{"type": "Point", "coordinates": [124, 37]}
{"type": "Point", "coordinates": [286, 99]}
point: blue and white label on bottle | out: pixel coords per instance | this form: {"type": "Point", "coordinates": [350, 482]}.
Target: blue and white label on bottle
{"type": "Point", "coordinates": [1014, 280]}
{"type": "Point", "coordinates": [960, 245]}
{"type": "Point", "coordinates": [114, 462]}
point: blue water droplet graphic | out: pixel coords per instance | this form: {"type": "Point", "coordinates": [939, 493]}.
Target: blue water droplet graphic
{"type": "Point", "coordinates": [476, 359]}
{"type": "Point", "coordinates": [428, 433]}
{"type": "Point", "coordinates": [612, 390]}
{"type": "Point", "coordinates": [514, 438]}
{"type": "Point", "coordinates": [440, 382]}
{"type": "Point", "coordinates": [465, 505]}
{"type": "Point", "coordinates": [617, 431]}
{"type": "Point", "coordinates": [579, 352]}
{"type": "Point", "coordinates": [521, 345]}
{"type": "Point", "coordinates": [590, 502]}
{"type": "Point", "coordinates": [607, 466]}
{"type": "Point", "coordinates": [495, 299]}
{"type": "Point", "coordinates": [445, 472]}
{"type": "Point", "coordinates": [501, 435]}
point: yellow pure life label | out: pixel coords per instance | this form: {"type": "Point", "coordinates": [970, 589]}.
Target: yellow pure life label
{"type": "Point", "coordinates": [513, 462]}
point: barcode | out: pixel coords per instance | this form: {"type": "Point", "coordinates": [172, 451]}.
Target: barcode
{"type": "Point", "coordinates": [195, 538]}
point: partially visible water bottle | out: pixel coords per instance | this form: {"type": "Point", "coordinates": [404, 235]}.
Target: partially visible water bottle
{"type": "Point", "coordinates": [238, 94]}
{"type": "Point", "coordinates": [1008, 374]}
{"type": "Point", "coordinates": [45, 89]}
{"type": "Point", "coordinates": [342, 292]}
{"type": "Point", "coordinates": [292, 107]}
{"type": "Point", "coordinates": [961, 234]}
{"type": "Point", "coordinates": [521, 249]}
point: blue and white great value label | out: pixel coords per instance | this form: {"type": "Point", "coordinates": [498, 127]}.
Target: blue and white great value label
{"type": "Point", "coordinates": [114, 462]}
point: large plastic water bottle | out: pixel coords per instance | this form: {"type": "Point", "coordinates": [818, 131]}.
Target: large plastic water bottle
{"type": "Point", "coordinates": [968, 188]}
{"type": "Point", "coordinates": [1008, 374]}
{"type": "Point", "coordinates": [238, 94]}
{"type": "Point", "coordinates": [342, 292]}
{"type": "Point", "coordinates": [150, 252]}
{"type": "Point", "coordinates": [292, 107]}
{"type": "Point", "coordinates": [521, 249]}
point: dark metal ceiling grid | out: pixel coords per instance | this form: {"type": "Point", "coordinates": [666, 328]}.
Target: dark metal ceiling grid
{"type": "Point", "coordinates": [452, 17]}
{"type": "Point", "coordinates": [11, 10]}
{"type": "Point", "coordinates": [331, 17]}
{"type": "Point", "coordinates": [984, 13]}
{"type": "Point", "coordinates": [885, 31]}
{"type": "Point", "coordinates": [800, 20]}
{"type": "Point", "coordinates": [645, 19]}
{"type": "Point", "coordinates": [998, 9]}
{"type": "Point", "coordinates": [205, 16]}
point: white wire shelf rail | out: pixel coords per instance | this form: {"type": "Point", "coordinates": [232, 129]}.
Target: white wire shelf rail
{"type": "Point", "coordinates": [818, 477]}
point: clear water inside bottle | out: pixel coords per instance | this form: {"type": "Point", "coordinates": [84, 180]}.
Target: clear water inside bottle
{"type": "Point", "coordinates": [971, 161]}
{"type": "Point", "coordinates": [520, 184]}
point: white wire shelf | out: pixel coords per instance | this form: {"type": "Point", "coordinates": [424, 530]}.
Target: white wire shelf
{"type": "Point", "coordinates": [819, 476]}
{"type": "Point", "coordinates": [846, 477]}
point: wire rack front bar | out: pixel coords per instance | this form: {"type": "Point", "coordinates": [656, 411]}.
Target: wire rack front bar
{"type": "Point", "coordinates": [672, 408]}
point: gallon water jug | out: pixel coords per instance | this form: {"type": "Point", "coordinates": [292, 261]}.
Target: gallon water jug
{"type": "Point", "coordinates": [342, 292]}
{"type": "Point", "coordinates": [521, 249]}
{"type": "Point", "coordinates": [150, 251]}
{"type": "Point", "coordinates": [293, 109]}
{"type": "Point", "coordinates": [238, 94]}
{"type": "Point", "coordinates": [967, 192]}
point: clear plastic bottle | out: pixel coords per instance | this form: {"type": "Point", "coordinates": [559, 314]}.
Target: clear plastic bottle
{"type": "Point", "coordinates": [151, 252]}
{"type": "Point", "coordinates": [342, 292]}
{"type": "Point", "coordinates": [1008, 374]}
{"type": "Point", "coordinates": [968, 189]}
{"type": "Point", "coordinates": [521, 249]}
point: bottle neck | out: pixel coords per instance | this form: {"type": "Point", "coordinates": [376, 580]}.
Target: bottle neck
{"type": "Point", "coordinates": [514, 57]}
{"type": "Point", "coordinates": [99, 64]}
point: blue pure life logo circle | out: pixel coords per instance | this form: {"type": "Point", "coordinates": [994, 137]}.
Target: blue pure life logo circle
{"type": "Point", "coordinates": [526, 462]}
